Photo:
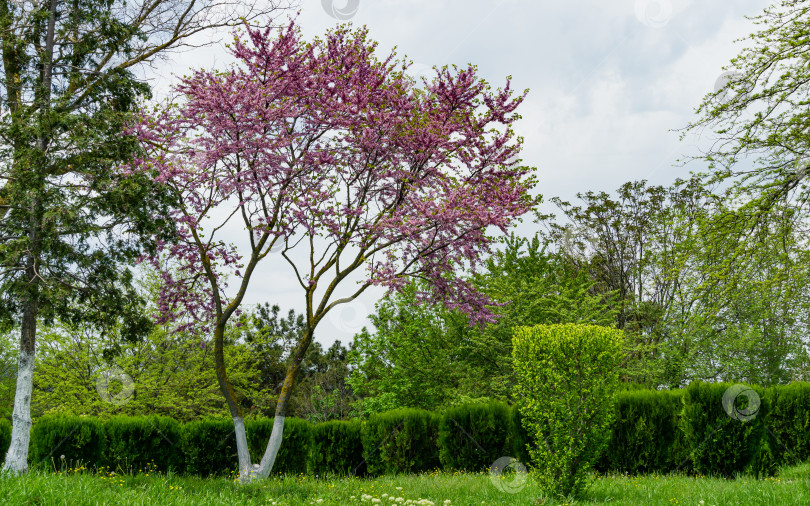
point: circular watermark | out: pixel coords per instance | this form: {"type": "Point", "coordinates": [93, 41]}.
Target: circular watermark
{"type": "Point", "coordinates": [730, 86]}
{"type": "Point", "coordinates": [654, 13]}
{"type": "Point", "coordinates": [733, 397]}
{"type": "Point", "coordinates": [107, 378]}
{"type": "Point", "coordinates": [508, 465]}
{"type": "Point", "coordinates": [349, 317]}
{"type": "Point", "coordinates": [422, 74]}
{"type": "Point", "coordinates": [341, 12]}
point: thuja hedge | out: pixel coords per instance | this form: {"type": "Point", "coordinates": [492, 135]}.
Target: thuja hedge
{"type": "Point", "coordinates": [686, 430]}
{"type": "Point", "coordinates": [5, 438]}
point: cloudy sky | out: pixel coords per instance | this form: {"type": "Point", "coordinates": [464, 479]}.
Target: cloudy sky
{"type": "Point", "coordinates": [609, 81]}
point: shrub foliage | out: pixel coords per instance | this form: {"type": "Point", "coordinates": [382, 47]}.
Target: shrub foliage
{"type": "Point", "coordinates": [723, 425]}
{"type": "Point", "coordinates": [567, 378]}
{"type": "Point", "coordinates": [78, 438]}
{"type": "Point", "coordinates": [473, 436]}
{"type": "Point", "coordinates": [401, 441]}
{"type": "Point", "coordinates": [142, 442]}
{"type": "Point", "coordinates": [337, 448]}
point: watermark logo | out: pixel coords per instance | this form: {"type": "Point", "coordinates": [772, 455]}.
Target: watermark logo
{"type": "Point", "coordinates": [341, 10]}
{"type": "Point", "coordinates": [654, 13]}
{"type": "Point", "coordinates": [508, 467]}
{"type": "Point", "coordinates": [108, 378]}
{"type": "Point", "coordinates": [349, 317]}
{"type": "Point", "coordinates": [730, 86]}
{"type": "Point", "coordinates": [741, 402]}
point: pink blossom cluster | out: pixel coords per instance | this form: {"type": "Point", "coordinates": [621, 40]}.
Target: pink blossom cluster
{"type": "Point", "coordinates": [323, 139]}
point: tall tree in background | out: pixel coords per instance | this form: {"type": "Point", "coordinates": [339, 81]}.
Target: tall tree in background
{"type": "Point", "coordinates": [322, 147]}
{"type": "Point", "coordinates": [700, 293]}
{"type": "Point", "coordinates": [630, 244]}
{"type": "Point", "coordinates": [758, 119]}
{"type": "Point", "coordinates": [757, 125]}
{"type": "Point", "coordinates": [67, 219]}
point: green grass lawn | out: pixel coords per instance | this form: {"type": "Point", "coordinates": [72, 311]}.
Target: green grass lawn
{"type": "Point", "coordinates": [148, 488]}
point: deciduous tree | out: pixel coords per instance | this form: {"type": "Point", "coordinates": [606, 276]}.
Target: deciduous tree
{"type": "Point", "coordinates": [324, 147]}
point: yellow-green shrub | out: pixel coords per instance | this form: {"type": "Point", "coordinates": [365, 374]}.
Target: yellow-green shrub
{"type": "Point", "coordinates": [567, 381]}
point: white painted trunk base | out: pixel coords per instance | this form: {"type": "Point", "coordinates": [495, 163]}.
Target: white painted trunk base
{"type": "Point", "coordinates": [248, 472]}
{"type": "Point", "coordinates": [273, 445]}
{"type": "Point", "coordinates": [242, 449]}
{"type": "Point", "coordinates": [17, 456]}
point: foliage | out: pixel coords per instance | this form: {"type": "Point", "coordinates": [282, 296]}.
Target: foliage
{"type": "Point", "coordinates": [143, 443]}
{"type": "Point", "coordinates": [209, 446]}
{"type": "Point", "coordinates": [697, 290]}
{"type": "Point", "coordinates": [723, 426]}
{"type": "Point", "coordinates": [788, 427]}
{"type": "Point", "coordinates": [401, 441]}
{"type": "Point", "coordinates": [166, 374]}
{"type": "Point", "coordinates": [522, 439]}
{"type": "Point", "coordinates": [79, 439]}
{"type": "Point", "coordinates": [428, 357]}
{"type": "Point", "coordinates": [473, 436]}
{"type": "Point", "coordinates": [568, 376]}
{"type": "Point", "coordinates": [337, 448]}
{"type": "Point", "coordinates": [412, 360]}
{"type": "Point", "coordinates": [757, 118]}
{"type": "Point", "coordinates": [8, 375]}
{"type": "Point", "coordinates": [645, 435]}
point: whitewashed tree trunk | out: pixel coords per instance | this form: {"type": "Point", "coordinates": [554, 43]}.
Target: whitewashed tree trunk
{"type": "Point", "coordinates": [17, 456]}
{"type": "Point", "coordinates": [273, 445]}
{"type": "Point", "coordinates": [242, 451]}
{"type": "Point", "coordinates": [248, 472]}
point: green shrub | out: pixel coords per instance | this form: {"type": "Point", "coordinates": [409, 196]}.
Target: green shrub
{"type": "Point", "coordinates": [645, 436]}
{"type": "Point", "coordinates": [337, 448]}
{"type": "Point", "coordinates": [295, 443]}
{"type": "Point", "coordinates": [567, 378]}
{"type": "Point", "coordinates": [143, 443]}
{"type": "Point", "coordinates": [401, 441]}
{"type": "Point", "coordinates": [209, 447]}
{"type": "Point", "coordinates": [722, 431]}
{"type": "Point", "coordinates": [78, 438]}
{"type": "Point", "coordinates": [473, 436]}
{"type": "Point", "coordinates": [787, 441]}
{"type": "Point", "coordinates": [5, 438]}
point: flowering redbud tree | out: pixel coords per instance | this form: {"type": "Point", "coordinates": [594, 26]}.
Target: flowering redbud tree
{"type": "Point", "coordinates": [322, 147]}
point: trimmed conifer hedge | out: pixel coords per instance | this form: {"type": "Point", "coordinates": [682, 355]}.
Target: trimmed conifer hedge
{"type": "Point", "coordinates": [723, 427]}
{"type": "Point", "coordinates": [787, 438]}
{"type": "Point", "coordinates": [401, 441]}
{"type": "Point", "coordinates": [687, 430]}
{"type": "Point", "coordinates": [645, 436]}
{"type": "Point", "coordinates": [473, 436]}
{"type": "Point", "coordinates": [5, 438]}
{"type": "Point", "coordinates": [81, 439]}
{"type": "Point", "coordinates": [209, 447]}
{"type": "Point", "coordinates": [337, 448]}
{"type": "Point", "coordinates": [143, 443]}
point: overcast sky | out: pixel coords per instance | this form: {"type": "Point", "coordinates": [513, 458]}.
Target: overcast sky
{"type": "Point", "coordinates": [609, 80]}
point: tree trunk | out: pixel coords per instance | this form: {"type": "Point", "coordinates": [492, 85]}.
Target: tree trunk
{"type": "Point", "coordinates": [226, 388]}
{"type": "Point", "coordinates": [270, 454]}
{"type": "Point", "coordinates": [17, 456]}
